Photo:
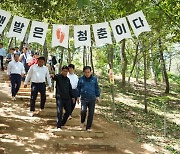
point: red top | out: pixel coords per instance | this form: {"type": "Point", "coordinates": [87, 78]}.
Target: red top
{"type": "Point", "coordinates": [34, 61]}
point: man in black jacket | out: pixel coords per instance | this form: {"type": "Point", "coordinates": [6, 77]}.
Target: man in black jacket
{"type": "Point", "coordinates": [63, 96]}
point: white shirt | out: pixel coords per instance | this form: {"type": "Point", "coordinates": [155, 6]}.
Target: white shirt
{"type": "Point", "coordinates": [38, 74]}
{"type": "Point", "coordinates": [17, 52]}
{"type": "Point", "coordinates": [73, 80]}
{"type": "Point", "coordinates": [12, 57]}
{"type": "Point", "coordinates": [2, 52]}
{"type": "Point", "coordinates": [15, 68]}
{"type": "Point", "coordinates": [27, 56]}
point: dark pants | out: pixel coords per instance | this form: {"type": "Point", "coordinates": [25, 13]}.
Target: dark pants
{"type": "Point", "coordinates": [1, 59]}
{"type": "Point", "coordinates": [15, 83]}
{"type": "Point", "coordinates": [90, 104]}
{"type": "Point", "coordinates": [60, 104]}
{"type": "Point", "coordinates": [26, 67]}
{"type": "Point", "coordinates": [73, 104]}
{"type": "Point", "coordinates": [35, 88]}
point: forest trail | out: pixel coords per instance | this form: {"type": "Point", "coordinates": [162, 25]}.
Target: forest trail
{"type": "Point", "coordinates": [20, 133]}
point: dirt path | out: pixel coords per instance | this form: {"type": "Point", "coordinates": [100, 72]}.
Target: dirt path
{"type": "Point", "coordinates": [20, 133]}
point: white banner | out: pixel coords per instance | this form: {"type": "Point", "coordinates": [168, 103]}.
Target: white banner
{"type": "Point", "coordinates": [102, 34]}
{"type": "Point", "coordinates": [60, 35]}
{"type": "Point", "coordinates": [38, 32]}
{"type": "Point", "coordinates": [120, 29]}
{"type": "Point", "coordinates": [138, 23]}
{"type": "Point", "coordinates": [4, 18]}
{"type": "Point", "coordinates": [18, 28]}
{"type": "Point", "coordinates": [82, 35]}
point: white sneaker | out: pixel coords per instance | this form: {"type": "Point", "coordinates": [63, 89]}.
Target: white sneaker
{"type": "Point", "coordinates": [41, 110]}
{"type": "Point", "coordinates": [81, 125]}
{"type": "Point", "coordinates": [59, 129]}
{"type": "Point", "coordinates": [70, 117]}
{"type": "Point", "coordinates": [88, 130]}
{"type": "Point", "coordinates": [31, 114]}
{"type": "Point", "coordinates": [13, 98]}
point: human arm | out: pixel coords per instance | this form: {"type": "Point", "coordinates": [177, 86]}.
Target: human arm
{"type": "Point", "coordinates": [97, 91]}
{"type": "Point", "coordinates": [20, 57]}
{"type": "Point", "coordinates": [9, 69]}
{"type": "Point", "coordinates": [54, 77]}
{"type": "Point", "coordinates": [48, 79]}
{"type": "Point", "coordinates": [28, 76]}
{"type": "Point", "coordinates": [71, 92]}
{"type": "Point", "coordinates": [78, 90]}
{"type": "Point", "coordinates": [22, 70]}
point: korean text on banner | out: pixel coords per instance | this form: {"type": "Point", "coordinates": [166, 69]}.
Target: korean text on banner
{"type": "Point", "coordinates": [38, 32]}
{"type": "Point", "coordinates": [4, 18]}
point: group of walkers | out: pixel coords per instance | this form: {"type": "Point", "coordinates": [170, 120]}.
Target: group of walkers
{"type": "Point", "coordinates": [69, 88]}
{"type": "Point", "coordinates": [18, 63]}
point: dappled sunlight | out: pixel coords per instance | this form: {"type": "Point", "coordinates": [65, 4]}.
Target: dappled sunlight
{"type": "Point", "coordinates": [150, 148]}
{"type": "Point", "coordinates": [128, 101]}
{"type": "Point", "coordinates": [128, 151]}
{"type": "Point", "coordinates": [7, 138]}
{"type": "Point", "coordinates": [42, 136]}
{"type": "Point", "coordinates": [26, 134]}
{"type": "Point", "coordinates": [173, 117]}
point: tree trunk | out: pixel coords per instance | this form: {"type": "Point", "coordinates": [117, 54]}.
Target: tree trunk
{"type": "Point", "coordinates": [110, 56]}
{"type": "Point", "coordinates": [84, 57]}
{"type": "Point", "coordinates": [69, 56]}
{"type": "Point", "coordinates": [152, 68]}
{"type": "Point", "coordinates": [15, 42]}
{"type": "Point", "coordinates": [61, 57]}
{"type": "Point", "coordinates": [45, 51]}
{"type": "Point", "coordinates": [10, 43]}
{"type": "Point", "coordinates": [170, 62]}
{"type": "Point", "coordinates": [134, 62]}
{"type": "Point", "coordinates": [145, 76]}
{"type": "Point", "coordinates": [137, 71]}
{"type": "Point", "coordinates": [163, 65]}
{"type": "Point", "coordinates": [123, 63]}
{"type": "Point", "coordinates": [21, 45]}
{"type": "Point", "coordinates": [91, 60]}
{"type": "Point", "coordinates": [2, 36]}
{"type": "Point", "coordinates": [110, 61]}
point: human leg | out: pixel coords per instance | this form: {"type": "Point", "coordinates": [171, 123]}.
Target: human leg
{"type": "Point", "coordinates": [34, 93]}
{"type": "Point", "coordinates": [91, 107]}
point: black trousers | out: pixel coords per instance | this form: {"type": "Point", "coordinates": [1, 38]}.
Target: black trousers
{"type": "Point", "coordinates": [35, 88]}
{"type": "Point", "coordinates": [1, 59]}
{"type": "Point", "coordinates": [15, 83]}
{"type": "Point", "coordinates": [90, 104]}
{"type": "Point", "coordinates": [60, 104]}
{"type": "Point", "coordinates": [73, 104]}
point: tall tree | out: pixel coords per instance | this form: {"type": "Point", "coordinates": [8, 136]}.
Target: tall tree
{"type": "Point", "coordinates": [123, 62]}
{"type": "Point", "coordinates": [163, 65]}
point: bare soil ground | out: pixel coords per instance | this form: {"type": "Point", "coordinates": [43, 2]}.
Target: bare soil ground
{"type": "Point", "coordinates": [20, 134]}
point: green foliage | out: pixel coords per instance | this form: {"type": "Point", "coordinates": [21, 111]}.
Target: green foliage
{"type": "Point", "coordinates": [174, 78]}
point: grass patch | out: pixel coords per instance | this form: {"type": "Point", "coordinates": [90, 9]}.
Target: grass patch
{"type": "Point", "coordinates": [159, 126]}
